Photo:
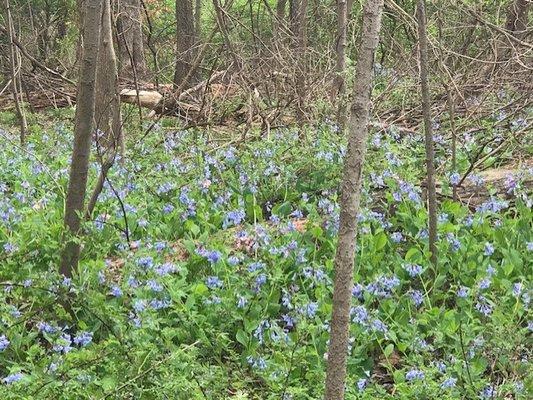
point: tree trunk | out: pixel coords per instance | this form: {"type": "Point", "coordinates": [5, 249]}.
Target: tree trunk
{"type": "Point", "coordinates": [426, 109]}
{"type": "Point", "coordinates": [339, 85]}
{"type": "Point", "coordinates": [299, 31]}
{"type": "Point", "coordinates": [281, 7]}
{"type": "Point", "coordinates": [107, 105]}
{"type": "Point", "coordinates": [14, 67]}
{"type": "Point", "coordinates": [198, 17]}
{"type": "Point", "coordinates": [349, 201]}
{"type": "Point", "coordinates": [186, 42]}
{"type": "Point", "coordinates": [130, 38]}
{"type": "Point", "coordinates": [83, 129]}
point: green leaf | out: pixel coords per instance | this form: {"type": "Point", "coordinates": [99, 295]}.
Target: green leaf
{"type": "Point", "coordinates": [388, 350]}
{"type": "Point", "coordinates": [411, 252]}
{"type": "Point", "coordinates": [200, 289]}
{"type": "Point", "coordinates": [380, 241]}
{"type": "Point", "coordinates": [108, 383]}
{"type": "Point", "coordinates": [242, 337]}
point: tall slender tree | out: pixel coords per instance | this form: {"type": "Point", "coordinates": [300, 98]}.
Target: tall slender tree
{"type": "Point", "coordinates": [298, 9]}
{"type": "Point", "coordinates": [339, 85]}
{"type": "Point", "coordinates": [14, 69]}
{"type": "Point", "coordinates": [107, 116]}
{"type": "Point", "coordinates": [350, 200]}
{"type": "Point", "coordinates": [130, 37]}
{"type": "Point", "coordinates": [281, 7]}
{"type": "Point", "coordinates": [198, 17]}
{"type": "Point", "coordinates": [83, 129]}
{"type": "Point", "coordinates": [186, 42]}
{"type": "Point", "coordinates": [426, 109]}
{"type": "Point", "coordinates": [107, 103]}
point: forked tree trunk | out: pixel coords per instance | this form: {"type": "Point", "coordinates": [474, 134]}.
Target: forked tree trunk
{"type": "Point", "coordinates": [426, 109]}
{"type": "Point", "coordinates": [14, 69]}
{"type": "Point", "coordinates": [107, 107]}
{"type": "Point", "coordinates": [349, 201]}
{"type": "Point", "coordinates": [130, 38]}
{"type": "Point", "coordinates": [83, 129]}
{"type": "Point", "coordinates": [186, 41]}
{"type": "Point", "coordinates": [339, 85]}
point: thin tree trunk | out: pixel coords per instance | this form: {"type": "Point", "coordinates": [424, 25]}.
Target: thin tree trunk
{"type": "Point", "coordinates": [83, 130]}
{"type": "Point", "coordinates": [15, 65]}
{"type": "Point", "coordinates": [107, 105]}
{"type": "Point", "coordinates": [281, 7]}
{"type": "Point", "coordinates": [198, 17]}
{"type": "Point", "coordinates": [451, 112]}
{"type": "Point", "coordinates": [130, 38]}
{"type": "Point", "coordinates": [299, 32]}
{"type": "Point", "coordinates": [426, 108]}
{"type": "Point", "coordinates": [350, 200]}
{"type": "Point", "coordinates": [186, 41]}
{"type": "Point", "coordinates": [339, 86]}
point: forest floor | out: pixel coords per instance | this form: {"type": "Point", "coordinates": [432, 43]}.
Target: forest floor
{"type": "Point", "coordinates": [206, 270]}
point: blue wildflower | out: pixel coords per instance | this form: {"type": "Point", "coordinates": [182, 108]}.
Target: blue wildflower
{"type": "Point", "coordinates": [455, 178]}
{"type": "Point", "coordinates": [145, 262]}
{"type": "Point", "coordinates": [448, 383]}
{"type": "Point", "coordinates": [157, 304]}
{"type": "Point", "coordinates": [46, 327]}
{"type": "Point", "coordinates": [115, 291]}
{"type": "Point", "coordinates": [233, 218]}
{"type": "Point", "coordinates": [483, 306]}
{"type": "Point", "coordinates": [213, 282]}
{"type": "Point", "coordinates": [489, 249]}
{"type": "Point", "coordinates": [462, 292]}
{"type": "Point", "coordinates": [233, 260]}
{"type": "Point", "coordinates": [154, 285]}
{"type": "Point", "coordinates": [396, 237]}
{"type": "Point", "coordinates": [255, 266]}
{"type": "Point", "coordinates": [165, 269]}
{"type": "Point", "coordinates": [488, 392]}
{"type": "Point", "coordinates": [83, 338]}
{"type": "Point", "coordinates": [378, 326]}
{"type": "Point", "coordinates": [4, 343]}
{"type": "Point", "coordinates": [484, 284]}
{"type": "Point", "coordinates": [414, 375]}
{"type": "Point", "coordinates": [13, 378]}
{"type": "Point", "coordinates": [417, 297]}
{"type": "Point", "coordinates": [361, 384]}
{"type": "Point", "coordinates": [241, 302]}
{"type": "Point", "coordinates": [413, 269]}
{"type": "Point", "coordinates": [360, 315]}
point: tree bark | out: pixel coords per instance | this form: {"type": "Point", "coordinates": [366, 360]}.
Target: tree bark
{"type": "Point", "coordinates": [107, 105]}
{"type": "Point", "coordinates": [299, 31]}
{"type": "Point", "coordinates": [14, 69]}
{"type": "Point", "coordinates": [281, 7]}
{"type": "Point", "coordinates": [426, 109]}
{"type": "Point", "coordinates": [350, 200]}
{"type": "Point", "coordinates": [186, 41]}
{"type": "Point", "coordinates": [130, 38]}
{"type": "Point", "coordinates": [198, 17]}
{"type": "Point", "coordinates": [83, 129]}
{"type": "Point", "coordinates": [339, 85]}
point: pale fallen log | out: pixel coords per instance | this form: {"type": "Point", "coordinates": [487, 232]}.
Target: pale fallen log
{"type": "Point", "coordinates": [145, 98]}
